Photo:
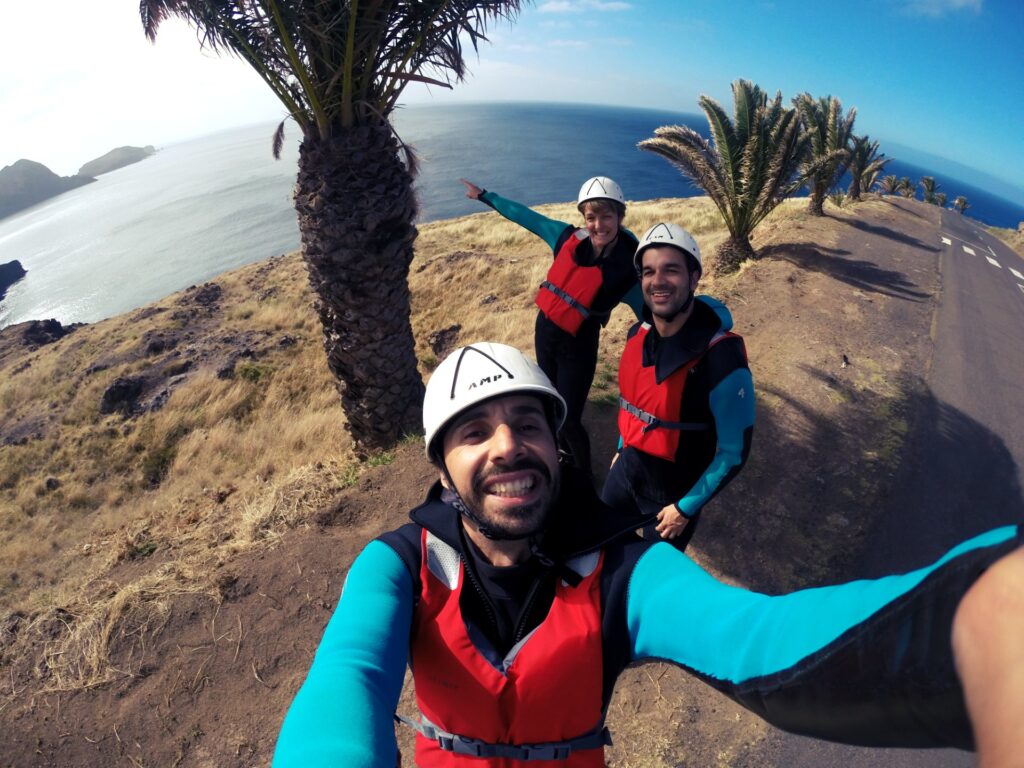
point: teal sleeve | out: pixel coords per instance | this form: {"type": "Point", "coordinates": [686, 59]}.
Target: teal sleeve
{"type": "Point", "coordinates": [634, 299]}
{"type": "Point", "coordinates": [548, 230]}
{"type": "Point", "coordinates": [732, 406]}
{"type": "Point", "coordinates": [865, 662]}
{"type": "Point", "coordinates": [343, 713]}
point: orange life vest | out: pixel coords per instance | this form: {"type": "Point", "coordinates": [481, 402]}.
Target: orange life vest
{"type": "Point", "coordinates": [566, 296]}
{"type": "Point", "coordinates": [547, 696]}
{"type": "Point", "coordinates": [648, 411]}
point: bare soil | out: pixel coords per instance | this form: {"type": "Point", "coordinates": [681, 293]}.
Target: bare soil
{"type": "Point", "coordinates": [836, 315]}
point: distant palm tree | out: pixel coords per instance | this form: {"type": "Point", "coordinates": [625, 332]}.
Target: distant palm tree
{"type": "Point", "coordinates": [749, 169]}
{"type": "Point", "coordinates": [339, 69]}
{"type": "Point", "coordinates": [928, 189]}
{"type": "Point", "coordinates": [940, 199]}
{"type": "Point", "coordinates": [865, 165]}
{"type": "Point", "coordinates": [961, 204]}
{"type": "Point", "coordinates": [907, 188]}
{"type": "Point", "coordinates": [890, 185]}
{"type": "Point", "coordinates": [830, 133]}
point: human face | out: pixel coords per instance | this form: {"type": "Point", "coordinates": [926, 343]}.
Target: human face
{"type": "Point", "coordinates": [666, 281]}
{"type": "Point", "coordinates": [503, 459]}
{"type": "Point", "coordinates": [602, 225]}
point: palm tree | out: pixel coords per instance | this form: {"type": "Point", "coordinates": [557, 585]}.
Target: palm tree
{"type": "Point", "coordinates": [830, 133]}
{"type": "Point", "coordinates": [890, 185]}
{"type": "Point", "coordinates": [928, 189]}
{"type": "Point", "coordinates": [865, 165]}
{"type": "Point", "coordinates": [339, 69]}
{"type": "Point", "coordinates": [961, 204]}
{"type": "Point", "coordinates": [907, 188]}
{"type": "Point", "coordinates": [940, 199]}
{"type": "Point", "coordinates": [748, 170]}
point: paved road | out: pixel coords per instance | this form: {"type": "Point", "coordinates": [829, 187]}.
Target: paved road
{"type": "Point", "coordinates": [962, 472]}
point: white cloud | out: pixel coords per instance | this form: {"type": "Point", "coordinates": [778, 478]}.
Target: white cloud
{"type": "Point", "coordinates": [569, 44]}
{"type": "Point", "coordinates": [936, 8]}
{"type": "Point", "coordinates": [581, 6]}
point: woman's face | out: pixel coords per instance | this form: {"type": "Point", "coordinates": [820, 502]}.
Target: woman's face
{"type": "Point", "coordinates": [602, 224]}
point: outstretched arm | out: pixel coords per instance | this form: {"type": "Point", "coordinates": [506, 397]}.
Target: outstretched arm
{"type": "Point", "coordinates": [343, 713]}
{"type": "Point", "coordinates": [551, 231]}
{"type": "Point", "coordinates": [988, 640]}
{"type": "Point", "coordinates": [868, 662]}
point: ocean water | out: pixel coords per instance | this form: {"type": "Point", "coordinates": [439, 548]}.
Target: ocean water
{"type": "Point", "coordinates": [196, 209]}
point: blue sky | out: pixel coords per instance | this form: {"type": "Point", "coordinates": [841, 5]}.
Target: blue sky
{"type": "Point", "coordinates": [945, 77]}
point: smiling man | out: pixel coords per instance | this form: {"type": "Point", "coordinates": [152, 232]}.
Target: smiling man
{"type": "Point", "coordinates": [517, 598]}
{"type": "Point", "coordinates": [686, 405]}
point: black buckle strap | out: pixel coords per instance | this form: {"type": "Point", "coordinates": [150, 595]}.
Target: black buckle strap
{"type": "Point", "coordinates": [554, 750]}
{"type": "Point", "coordinates": [653, 422]}
{"type": "Point", "coordinates": [566, 298]}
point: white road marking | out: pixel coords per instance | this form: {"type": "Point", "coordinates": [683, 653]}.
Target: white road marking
{"type": "Point", "coordinates": [993, 262]}
{"type": "Point", "coordinates": [1016, 274]}
{"type": "Point", "coordinates": [969, 250]}
{"type": "Point", "coordinates": [946, 241]}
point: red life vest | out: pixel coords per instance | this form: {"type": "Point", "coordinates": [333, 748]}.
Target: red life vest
{"type": "Point", "coordinates": [550, 691]}
{"type": "Point", "coordinates": [565, 297]}
{"type": "Point", "coordinates": [648, 411]}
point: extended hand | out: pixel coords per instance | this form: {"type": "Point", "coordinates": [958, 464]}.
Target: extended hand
{"type": "Point", "coordinates": [671, 522]}
{"type": "Point", "coordinates": [473, 192]}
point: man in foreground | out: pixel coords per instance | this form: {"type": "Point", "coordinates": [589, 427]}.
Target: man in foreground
{"type": "Point", "coordinates": [518, 598]}
{"type": "Point", "coordinates": [686, 405]}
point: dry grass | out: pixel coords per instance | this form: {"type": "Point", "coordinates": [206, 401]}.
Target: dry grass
{"type": "Point", "coordinates": [1012, 237]}
{"type": "Point", "coordinates": [226, 463]}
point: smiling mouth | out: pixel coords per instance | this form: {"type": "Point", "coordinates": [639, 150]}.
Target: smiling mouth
{"type": "Point", "coordinates": [513, 488]}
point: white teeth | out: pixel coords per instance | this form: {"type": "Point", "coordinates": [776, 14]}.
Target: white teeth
{"type": "Point", "coordinates": [514, 488]}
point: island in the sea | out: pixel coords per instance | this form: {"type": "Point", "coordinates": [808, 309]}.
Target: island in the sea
{"type": "Point", "coordinates": [26, 182]}
{"type": "Point", "coordinates": [114, 159]}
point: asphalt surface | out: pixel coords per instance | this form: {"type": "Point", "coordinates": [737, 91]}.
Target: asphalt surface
{"type": "Point", "coordinates": [962, 468]}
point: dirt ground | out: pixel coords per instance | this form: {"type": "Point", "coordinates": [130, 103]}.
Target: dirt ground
{"type": "Point", "coordinates": [836, 315]}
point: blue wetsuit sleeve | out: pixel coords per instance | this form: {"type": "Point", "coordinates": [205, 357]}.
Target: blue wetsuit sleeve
{"type": "Point", "coordinates": [343, 714]}
{"type": "Point", "coordinates": [634, 299]}
{"type": "Point", "coordinates": [548, 230]}
{"type": "Point", "coordinates": [867, 662]}
{"type": "Point", "coordinates": [732, 406]}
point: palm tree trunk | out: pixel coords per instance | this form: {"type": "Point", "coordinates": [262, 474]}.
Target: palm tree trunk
{"type": "Point", "coordinates": [816, 203]}
{"type": "Point", "coordinates": [355, 205]}
{"type": "Point", "coordinates": [730, 254]}
{"type": "Point", "coordinates": [854, 191]}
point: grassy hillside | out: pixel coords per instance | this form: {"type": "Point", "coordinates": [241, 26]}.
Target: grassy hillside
{"type": "Point", "coordinates": [127, 525]}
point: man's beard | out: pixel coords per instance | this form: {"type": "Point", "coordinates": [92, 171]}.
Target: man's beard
{"type": "Point", "coordinates": [678, 307]}
{"type": "Point", "coordinates": [514, 522]}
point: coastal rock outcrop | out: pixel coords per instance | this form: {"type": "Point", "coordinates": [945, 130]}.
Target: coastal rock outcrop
{"type": "Point", "coordinates": [10, 273]}
{"type": "Point", "coordinates": [114, 159]}
{"type": "Point", "coordinates": [122, 395]}
{"type": "Point", "coordinates": [26, 183]}
{"type": "Point", "coordinates": [40, 332]}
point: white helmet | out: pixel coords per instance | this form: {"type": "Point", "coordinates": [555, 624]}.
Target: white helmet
{"type": "Point", "coordinates": [600, 188]}
{"type": "Point", "coordinates": [664, 233]}
{"type": "Point", "coordinates": [478, 372]}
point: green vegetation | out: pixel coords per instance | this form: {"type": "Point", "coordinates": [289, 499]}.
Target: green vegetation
{"type": "Point", "coordinates": [748, 170]}
{"type": "Point", "coordinates": [339, 69]}
{"type": "Point", "coordinates": [830, 133]}
{"type": "Point", "coordinates": [961, 204]}
{"type": "Point", "coordinates": [865, 165]}
{"type": "Point", "coordinates": [929, 189]}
